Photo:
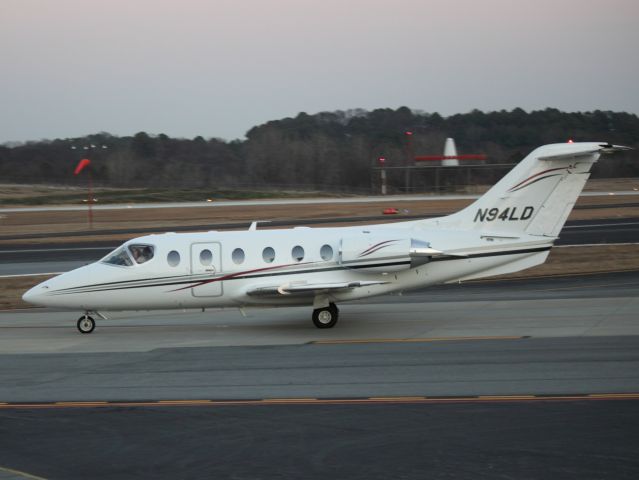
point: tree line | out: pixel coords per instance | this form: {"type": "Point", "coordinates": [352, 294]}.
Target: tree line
{"type": "Point", "coordinates": [324, 151]}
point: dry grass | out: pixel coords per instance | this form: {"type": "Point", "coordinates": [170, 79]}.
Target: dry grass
{"type": "Point", "coordinates": [25, 191]}
{"type": "Point", "coordinates": [612, 184]}
{"type": "Point", "coordinates": [11, 290]}
{"type": "Point", "coordinates": [12, 191]}
{"type": "Point", "coordinates": [585, 259]}
{"type": "Point", "coordinates": [164, 218]}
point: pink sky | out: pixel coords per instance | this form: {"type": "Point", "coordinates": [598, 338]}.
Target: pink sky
{"type": "Point", "coordinates": [217, 68]}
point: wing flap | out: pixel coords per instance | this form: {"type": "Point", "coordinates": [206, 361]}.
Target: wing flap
{"type": "Point", "coordinates": [302, 288]}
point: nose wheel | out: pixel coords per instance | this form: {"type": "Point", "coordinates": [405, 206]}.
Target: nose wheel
{"type": "Point", "coordinates": [86, 324]}
{"type": "Point", "coordinates": [326, 317]}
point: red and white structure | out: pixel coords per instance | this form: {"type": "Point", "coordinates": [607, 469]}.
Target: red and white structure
{"type": "Point", "coordinates": [450, 158]}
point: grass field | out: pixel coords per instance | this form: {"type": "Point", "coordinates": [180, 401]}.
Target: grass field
{"type": "Point", "coordinates": [163, 219]}
{"type": "Point", "coordinates": [29, 195]}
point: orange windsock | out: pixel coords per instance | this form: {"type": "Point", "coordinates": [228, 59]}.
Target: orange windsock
{"type": "Point", "coordinates": [81, 164]}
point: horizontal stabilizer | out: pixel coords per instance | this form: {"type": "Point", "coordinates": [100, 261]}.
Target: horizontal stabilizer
{"type": "Point", "coordinates": [572, 152]}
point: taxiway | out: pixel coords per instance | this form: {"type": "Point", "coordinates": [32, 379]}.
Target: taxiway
{"type": "Point", "coordinates": [528, 378]}
{"type": "Point", "coordinates": [573, 335]}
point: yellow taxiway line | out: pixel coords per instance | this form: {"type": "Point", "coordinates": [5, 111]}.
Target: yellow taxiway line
{"type": "Point", "coordinates": [413, 340]}
{"type": "Point", "coordinates": [326, 401]}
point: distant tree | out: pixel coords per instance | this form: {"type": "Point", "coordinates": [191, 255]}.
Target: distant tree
{"type": "Point", "coordinates": [143, 146]}
{"type": "Point", "coordinates": [327, 150]}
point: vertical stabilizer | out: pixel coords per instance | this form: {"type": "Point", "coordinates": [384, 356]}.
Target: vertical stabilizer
{"type": "Point", "coordinates": [536, 196]}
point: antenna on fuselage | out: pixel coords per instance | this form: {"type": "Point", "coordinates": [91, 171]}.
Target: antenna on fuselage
{"type": "Point", "coordinates": [254, 223]}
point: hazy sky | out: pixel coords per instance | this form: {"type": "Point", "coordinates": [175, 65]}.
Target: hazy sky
{"type": "Point", "coordinates": [217, 68]}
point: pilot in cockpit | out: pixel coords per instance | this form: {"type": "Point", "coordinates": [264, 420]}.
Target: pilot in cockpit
{"type": "Point", "coordinates": [120, 257]}
{"type": "Point", "coordinates": [141, 253]}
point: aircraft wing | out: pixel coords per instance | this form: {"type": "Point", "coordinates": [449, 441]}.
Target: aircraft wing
{"type": "Point", "coordinates": [307, 288]}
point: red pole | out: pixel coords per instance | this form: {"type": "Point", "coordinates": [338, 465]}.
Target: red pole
{"type": "Point", "coordinates": [85, 162]}
{"type": "Point", "coordinates": [409, 157]}
{"type": "Point", "coordinates": [90, 200]}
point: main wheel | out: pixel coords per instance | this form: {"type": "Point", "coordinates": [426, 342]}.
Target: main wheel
{"type": "Point", "coordinates": [326, 317]}
{"type": "Point", "coordinates": [86, 324]}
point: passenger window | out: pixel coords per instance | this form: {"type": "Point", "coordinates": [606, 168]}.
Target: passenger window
{"type": "Point", "coordinates": [206, 257]}
{"type": "Point", "coordinates": [238, 256]}
{"type": "Point", "coordinates": [297, 253]}
{"type": "Point", "coordinates": [268, 254]}
{"type": "Point", "coordinates": [119, 257]}
{"type": "Point", "coordinates": [173, 258]}
{"type": "Point", "coordinates": [141, 253]}
{"type": "Point", "coordinates": [326, 252]}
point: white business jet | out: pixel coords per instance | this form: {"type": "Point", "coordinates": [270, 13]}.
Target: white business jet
{"type": "Point", "coordinates": [510, 228]}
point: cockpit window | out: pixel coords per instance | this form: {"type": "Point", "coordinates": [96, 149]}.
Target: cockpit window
{"type": "Point", "coordinates": [141, 253]}
{"type": "Point", "coordinates": [119, 257]}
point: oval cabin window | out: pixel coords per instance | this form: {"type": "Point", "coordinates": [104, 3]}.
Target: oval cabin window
{"type": "Point", "coordinates": [268, 254]}
{"type": "Point", "coordinates": [238, 256]}
{"type": "Point", "coordinates": [326, 252]}
{"type": "Point", "coordinates": [206, 257]}
{"type": "Point", "coordinates": [297, 253]}
{"type": "Point", "coordinates": [173, 258]}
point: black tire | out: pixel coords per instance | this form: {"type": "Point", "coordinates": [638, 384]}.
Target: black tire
{"type": "Point", "coordinates": [326, 317]}
{"type": "Point", "coordinates": [86, 324]}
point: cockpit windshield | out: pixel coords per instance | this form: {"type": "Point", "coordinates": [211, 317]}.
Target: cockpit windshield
{"type": "Point", "coordinates": [125, 256]}
{"type": "Point", "coordinates": [119, 257]}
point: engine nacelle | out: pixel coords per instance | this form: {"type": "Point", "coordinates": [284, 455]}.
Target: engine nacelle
{"type": "Point", "coordinates": [384, 254]}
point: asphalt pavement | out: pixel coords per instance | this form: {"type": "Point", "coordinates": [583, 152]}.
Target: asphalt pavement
{"type": "Point", "coordinates": [490, 440]}
{"type": "Point", "coordinates": [526, 379]}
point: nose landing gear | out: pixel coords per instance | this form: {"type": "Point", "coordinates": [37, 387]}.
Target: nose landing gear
{"type": "Point", "coordinates": [86, 324]}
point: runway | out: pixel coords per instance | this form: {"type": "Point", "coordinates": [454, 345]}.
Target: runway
{"type": "Point", "coordinates": [515, 375]}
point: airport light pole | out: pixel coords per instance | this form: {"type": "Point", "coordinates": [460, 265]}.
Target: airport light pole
{"type": "Point", "coordinates": [409, 159]}
{"type": "Point", "coordinates": [382, 161]}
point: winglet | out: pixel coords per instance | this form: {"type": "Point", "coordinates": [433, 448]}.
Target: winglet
{"type": "Point", "coordinates": [609, 148]}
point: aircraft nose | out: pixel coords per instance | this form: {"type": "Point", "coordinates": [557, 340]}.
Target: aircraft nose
{"type": "Point", "coordinates": [35, 295]}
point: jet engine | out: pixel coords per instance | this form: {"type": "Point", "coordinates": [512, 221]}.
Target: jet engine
{"type": "Point", "coordinates": [384, 254]}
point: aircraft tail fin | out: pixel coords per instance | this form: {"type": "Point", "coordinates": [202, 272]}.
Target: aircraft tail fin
{"type": "Point", "coordinates": [536, 196]}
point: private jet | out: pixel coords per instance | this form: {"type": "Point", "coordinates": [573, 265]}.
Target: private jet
{"type": "Point", "coordinates": [510, 228]}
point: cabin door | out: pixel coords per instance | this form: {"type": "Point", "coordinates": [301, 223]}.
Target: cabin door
{"type": "Point", "coordinates": [206, 265]}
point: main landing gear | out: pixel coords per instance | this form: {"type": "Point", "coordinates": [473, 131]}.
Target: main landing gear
{"type": "Point", "coordinates": [86, 324]}
{"type": "Point", "coordinates": [326, 317]}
